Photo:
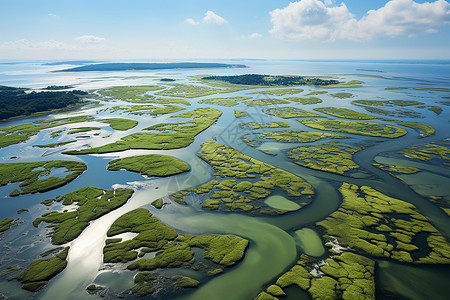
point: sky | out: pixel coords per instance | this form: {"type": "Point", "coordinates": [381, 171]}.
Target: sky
{"type": "Point", "coordinates": [218, 29]}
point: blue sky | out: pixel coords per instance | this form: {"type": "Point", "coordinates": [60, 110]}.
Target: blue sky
{"type": "Point", "coordinates": [304, 29]}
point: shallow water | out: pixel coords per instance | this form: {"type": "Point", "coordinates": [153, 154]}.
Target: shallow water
{"type": "Point", "coordinates": [275, 241]}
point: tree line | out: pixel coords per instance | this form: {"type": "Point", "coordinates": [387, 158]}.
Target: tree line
{"type": "Point", "coordinates": [16, 102]}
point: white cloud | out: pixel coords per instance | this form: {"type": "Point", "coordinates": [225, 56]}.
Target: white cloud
{"type": "Point", "coordinates": [90, 39]}
{"type": "Point", "coordinates": [192, 21]}
{"type": "Point", "coordinates": [314, 19]}
{"type": "Point", "coordinates": [211, 17]}
{"type": "Point", "coordinates": [53, 15]}
{"type": "Point", "coordinates": [254, 35]}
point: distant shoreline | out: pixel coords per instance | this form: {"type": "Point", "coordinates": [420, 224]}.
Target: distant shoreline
{"type": "Point", "coordinates": [148, 66]}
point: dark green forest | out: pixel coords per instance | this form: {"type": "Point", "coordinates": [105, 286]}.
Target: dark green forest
{"type": "Point", "coordinates": [16, 102]}
{"type": "Point", "coordinates": [271, 80]}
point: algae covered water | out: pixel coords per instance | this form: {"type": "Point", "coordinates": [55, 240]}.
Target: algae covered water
{"type": "Point", "coordinates": [336, 189]}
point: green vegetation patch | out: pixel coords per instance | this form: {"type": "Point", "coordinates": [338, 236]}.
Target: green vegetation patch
{"type": "Point", "coordinates": [356, 127]}
{"type": "Point", "coordinates": [316, 93]}
{"type": "Point", "coordinates": [288, 136]}
{"type": "Point", "coordinates": [290, 112]}
{"type": "Point", "coordinates": [254, 125]}
{"type": "Point", "coordinates": [6, 224]}
{"type": "Point", "coordinates": [378, 225]}
{"type": "Point", "coordinates": [344, 276]}
{"type": "Point", "coordinates": [436, 109]}
{"type": "Point", "coordinates": [344, 113]}
{"type": "Point", "coordinates": [192, 91]}
{"type": "Point", "coordinates": [225, 101]}
{"type": "Point", "coordinates": [20, 133]}
{"type": "Point", "coordinates": [82, 129]}
{"type": "Point", "coordinates": [432, 89]}
{"type": "Point", "coordinates": [185, 282]}
{"type": "Point", "coordinates": [128, 93]}
{"type": "Point", "coordinates": [397, 112]}
{"type": "Point", "coordinates": [158, 203]}
{"type": "Point", "coordinates": [397, 169]}
{"type": "Point", "coordinates": [239, 113]}
{"type": "Point", "coordinates": [54, 145]}
{"type": "Point", "coordinates": [224, 250]}
{"type": "Point", "coordinates": [152, 110]}
{"type": "Point", "coordinates": [36, 276]}
{"type": "Point", "coordinates": [272, 80]}
{"type": "Point", "coordinates": [280, 92]}
{"type": "Point", "coordinates": [150, 165]}
{"type": "Point", "coordinates": [163, 136]}
{"type": "Point", "coordinates": [305, 101]}
{"type": "Point", "coordinates": [334, 157]}
{"type": "Point", "coordinates": [30, 173]}
{"type": "Point", "coordinates": [91, 203]}
{"type": "Point", "coordinates": [120, 123]}
{"type": "Point", "coordinates": [343, 84]}
{"type": "Point", "coordinates": [230, 191]}
{"type": "Point", "coordinates": [265, 101]}
{"type": "Point", "coordinates": [143, 284]}
{"type": "Point", "coordinates": [424, 129]}
{"type": "Point", "coordinates": [387, 102]}
{"type": "Point", "coordinates": [342, 95]}
{"type": "Point", "coordinates": [425, 152]}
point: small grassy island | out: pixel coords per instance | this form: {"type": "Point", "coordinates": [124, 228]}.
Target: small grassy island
{"type": "Point", "coordinates": [230, 191]}
{"type": "Point", "coordinates": [334, 157]}
{"type": "Point", "coordinates": [173, 250]}
{"type": "Point", "coordinates": [430, 151]}
{"type": "Point", "coordinates": [120, 123]}
{"type": "Point", "coordinates": [150, 165]}
{"type": "Point", "coordinates": [16, 102]}
{"type": "Point", "coordinates": [37, 275]}
{"type": "Point", "coordinates": [254, 125]}
{"type": "Point", "coordinates": [152, 110]}
{"type": "Point", "coordinates": [288, 136]}
{"type": "Point", "coordinates": [344, 113]}
{"type": "Point", "coordinates": [31, 175]}
{"type": "Point", "coordinates": [92, 203]}
{"type": "Point", "coordinates": [290, 112]}
{"type": "Point", "coordinates": [225, 101]}
{"type": "Point", "coordinates": [265, 101]}
{"type": "Point", "coordinates": [6, 224]}
{"type": "Point", "coordinates": [305, 101]}
{"type": "Point", "coordinates": [356, 127]}
{"type": "Point", "coordinates": [163, 136]}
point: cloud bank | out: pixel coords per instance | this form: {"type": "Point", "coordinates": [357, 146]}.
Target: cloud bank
{"type": "Point", "coordinates": [314, 19]}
